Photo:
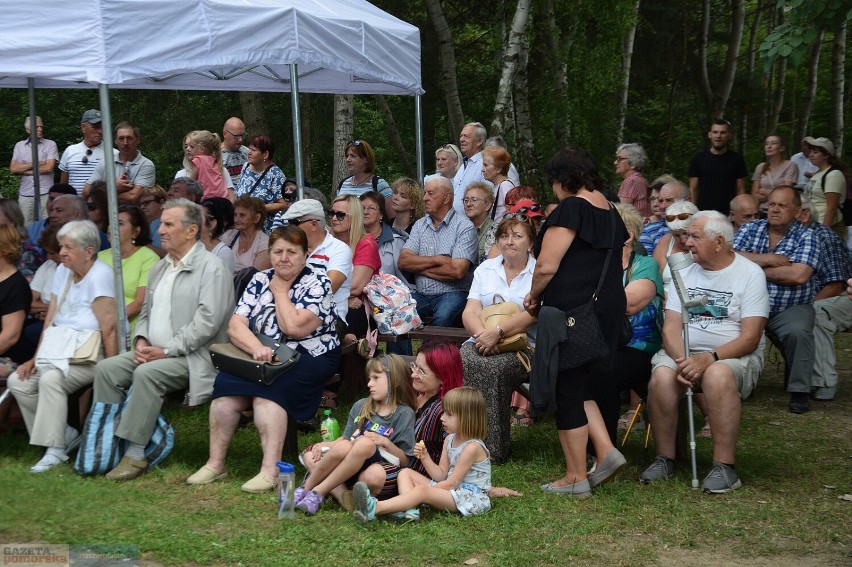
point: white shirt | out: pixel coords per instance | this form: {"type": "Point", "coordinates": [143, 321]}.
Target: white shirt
{"type": "Point", "coordinates": [76, 310]}
{"type": "Point", "coordinates": [805, 166]}
{"type": "Point", "coordinates": [489, 280]}
{"type": "Point", "coordinates": [332, 254]}
{"type": "Point", "coordinates": [466, 175]}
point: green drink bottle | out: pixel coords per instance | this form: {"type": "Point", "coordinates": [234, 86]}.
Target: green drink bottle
{"type": "Point", "coordinates": [329, 428]}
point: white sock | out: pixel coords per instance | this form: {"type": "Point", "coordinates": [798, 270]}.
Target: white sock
{"type": "Point", "coordinates": [135, 451]}
{"type": "Point", "coordinates": [58, 452]}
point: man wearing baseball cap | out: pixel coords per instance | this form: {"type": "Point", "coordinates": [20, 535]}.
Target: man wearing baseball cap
{"type": "Point", "coordinates": [79, 160]}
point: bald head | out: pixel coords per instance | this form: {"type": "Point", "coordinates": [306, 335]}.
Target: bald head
{"type": "Point", "coordinates": [233, 134]}
{"type": "Point", "coordinates": [744, 208]}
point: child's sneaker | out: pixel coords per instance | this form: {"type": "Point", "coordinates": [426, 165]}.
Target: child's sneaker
{"type": "Point", "coordinates": [310, 502]}
{"type": "Point", "coordinates": [298, 494]}
{"type": "Point", "coordinates": [412, 515]}
{"type": "Point", "coordinates": [365, 504]}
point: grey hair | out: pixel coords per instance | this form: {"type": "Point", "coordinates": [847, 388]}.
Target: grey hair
{"type": "Point", "coordinates": [683, 187]}
{"type": "Point", "coordinates": [445, 184]}
{"type": "Point", "coordinates": [716, 224]}
{"type": "Point", "coordinates": [82, 232]}
{"type": "Point", "coordinates": [662, 181]}
{"type": "Point", "coordinates": [192, 213]}
{"type": "Point", "coordinates": [636, 155]}
{"type": "Point", "coordinates": [192, 186]}
{"type": "Point", "coordinates": [482, 186]}
{"type": "Point", "coordinates": [496, 142]}
{"type": "Point", "coordinates": [77, 203]}
{"type": "Point", "coordinates": [680, 207]}
{"type": "Point", "coordinates": [479, 130]}
{"type": "Point", "coordinates": [27, 121]}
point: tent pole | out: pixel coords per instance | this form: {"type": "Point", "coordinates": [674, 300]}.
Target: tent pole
{"type": "Point", "coordinates": [34, 148]}
{"type": "Point", "coordinates": [112, 207]}
{"type": "Point", "coordinates": [297, 129]}
{"type": "Point", "coordinates": [418, 133]}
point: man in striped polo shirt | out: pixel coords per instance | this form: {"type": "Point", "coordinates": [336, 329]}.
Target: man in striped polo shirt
{"type": "Point", "coordinates": [79, 160]}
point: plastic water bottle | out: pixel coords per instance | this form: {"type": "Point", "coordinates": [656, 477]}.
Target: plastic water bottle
{"type": "Point", "coordinates": [286, 486]}
{"type": "Point", "coordinates": [126, 175]}
{"type": "Point", "coordinates": [329, 428]}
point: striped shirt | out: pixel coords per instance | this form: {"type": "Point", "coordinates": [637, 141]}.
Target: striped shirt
{"type": "Point", "coordinates": [456, 238]}
{"type": "Point", "coordinates": [799, 245]}
{"type": "Point", "coordinates": [79, 162]}
{"type": "Point", "coordinates": [652, 233]}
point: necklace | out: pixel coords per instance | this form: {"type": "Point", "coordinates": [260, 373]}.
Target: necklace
{"type": "Point", "coordinates": [362, 181]}
{"type": "Point", "coordinates": [243, 249]}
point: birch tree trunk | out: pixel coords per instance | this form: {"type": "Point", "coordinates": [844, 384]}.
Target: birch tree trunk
{"type": "Point", "coordinates": [455, 115]}
{"type": "Point", "coordinates": [524, 157]}
{"type": "Point", "coordinates": [778, 102]}
{"type": "Point", "coordinates": [838, 80]}
{"type": "Point", "coordinates": [717, 99]}
{"type": "Point", "coordinates": [254, 116]}
{"type": "Point", "coordinates": [626, 63]}
{"type": "Point", "coordinates": [810, 97]}
{"type": "Point", "coordinates": [396, 140]}
{"type": "Point", "coordinates": [510, 65]}
{"type": "Point", "coordinates": [344, 114]}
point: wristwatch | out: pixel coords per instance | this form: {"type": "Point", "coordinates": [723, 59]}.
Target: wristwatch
{"type": "Point", "coordinates": [714, 355]}
{"type": "Point", "coordinates": [166, 352]}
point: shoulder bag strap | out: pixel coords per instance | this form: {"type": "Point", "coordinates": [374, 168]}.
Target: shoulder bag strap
{"type": "Point", "coordinates": [64, 293]}
{"type": "Point", "coordinates": [259, 179]}
{"type": "Point", "coordinates": [608, 254]}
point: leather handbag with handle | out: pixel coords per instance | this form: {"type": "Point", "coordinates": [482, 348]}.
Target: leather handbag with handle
{"type": "Point", "coordinates": [500, 312]}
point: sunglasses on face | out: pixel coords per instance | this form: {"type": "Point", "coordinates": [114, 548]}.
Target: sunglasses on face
{"type": "Point", "coordinates": [338, 215]}
{"type": "Point", "coordinates": [679, 216]}
{"type": "Point", "coordinates": [298, 222]}
{"type": "Point", "coordinates": [85, 159]}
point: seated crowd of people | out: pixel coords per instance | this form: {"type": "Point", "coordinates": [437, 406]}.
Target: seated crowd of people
{"type": "Point", "coordinates": [229, 253]}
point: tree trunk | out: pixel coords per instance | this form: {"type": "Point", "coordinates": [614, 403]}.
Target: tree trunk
{"type": "Point", "coordinates": [838, 80]}
{"type": "Point", "coordinates": [734, 42]}
{"type": "Point", "coordinates": [717, 100]}
{"type": "Point", "coordinates": [778, 103]}
{"type": "Point", "coordinates": [396, 140]}
{"type": "Point", "coordinates": [810, 97]}
{"type": "Point", "coordinates": [455, 115]}
{"type": "Point", "coordinates": [752, 57]}
{"type": "Point", "coordinates": [510, 65]}
{"type": "Point", "coordinates": [254, 117]}
{"type": "Point", "coordinates": [344, 114]}
{"type": "Point", "coordinates": [626, 62]}
{"type": "Point", "coordinates": [524, 157]}
{"type": "Point", "coordinates": [558, 68]}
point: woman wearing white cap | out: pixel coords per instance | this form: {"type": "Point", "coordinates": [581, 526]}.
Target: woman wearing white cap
{"type": "Point", "coordinates": [827, 187]}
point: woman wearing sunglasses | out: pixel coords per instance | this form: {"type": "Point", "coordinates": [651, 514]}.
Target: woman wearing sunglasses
{"type": "Point", "coordinates": [678, 217]}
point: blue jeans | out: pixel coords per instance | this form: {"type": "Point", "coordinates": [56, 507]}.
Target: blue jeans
{"type": "Point", "coordinates": [445, 309]}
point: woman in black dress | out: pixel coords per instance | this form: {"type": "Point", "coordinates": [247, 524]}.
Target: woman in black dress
{"type": "Point", "coordinates": [571, 250]}
{"type": "Point", "coordinates": [294, 302]}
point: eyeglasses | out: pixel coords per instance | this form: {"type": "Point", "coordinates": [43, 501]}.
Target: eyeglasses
{"type": "Point", "coordinates": [147, 202]}
{"type": "Point", "coordinates": [417, 372]}
{"type": "Point", "coordinates": [338, 215]}
{"type": "Point", "coordinates": [472, 200]}
{"type": "Point", "coordinates": [619, 159]}
{"type": "Point", "coordinates": [85, 159]}
{"type": "Point", "coordinates": [92, 206]}
{"type": "Point", "coordinates": [679, 216]}
{"type": "Point", "coordinates": [243, 135]}
{"type": "Point", "coordinates": [370, 209]}
{"type": "Point", "coordinates": [297, 222]}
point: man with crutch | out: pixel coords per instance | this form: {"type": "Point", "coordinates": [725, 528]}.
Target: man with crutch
{"type": "Point", "coordinates": [725, 343]}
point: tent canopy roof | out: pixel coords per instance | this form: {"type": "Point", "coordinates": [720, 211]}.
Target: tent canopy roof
{"type": "Point", "coordinates": [340, 46]}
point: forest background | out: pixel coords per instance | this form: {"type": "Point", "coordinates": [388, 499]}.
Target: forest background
{"type": "Point", "coordinates": [541, 73]}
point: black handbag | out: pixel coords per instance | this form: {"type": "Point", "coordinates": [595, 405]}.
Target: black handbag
{"type": "Point", "coordinates": [585, 342]}
{"type": "Point", "coordinates": [228, 358]}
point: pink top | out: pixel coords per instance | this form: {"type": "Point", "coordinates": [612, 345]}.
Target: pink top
{"type": "Point", "coordinates": [635, 188]}
{"type": "Point", "coordinates": [367, 254]}
{"type": "Point", "coordinates": [210, 176]}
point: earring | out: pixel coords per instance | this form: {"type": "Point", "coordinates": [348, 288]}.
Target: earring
{"type": "Point", "coordinates": [133, 241]}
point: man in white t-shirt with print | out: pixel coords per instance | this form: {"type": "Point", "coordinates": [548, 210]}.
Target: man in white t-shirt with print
{"type": "Point", "coordinates": [725, 343]}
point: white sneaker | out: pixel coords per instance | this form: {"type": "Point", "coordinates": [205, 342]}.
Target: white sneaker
{"type": "Point", "coordinates": [47, 462]}
{"type": "Point", "coordinates": [72, 438]}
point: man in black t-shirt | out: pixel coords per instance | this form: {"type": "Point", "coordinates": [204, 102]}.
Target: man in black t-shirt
{"type": "Point", "coordinates": [717, 174]}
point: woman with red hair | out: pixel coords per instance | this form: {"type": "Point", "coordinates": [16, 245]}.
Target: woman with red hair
{"type": "Point", "coordinates": [495, 169]}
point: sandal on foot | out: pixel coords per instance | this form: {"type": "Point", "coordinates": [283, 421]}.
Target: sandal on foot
{"type": "Point", "coordinates": [521, 420]}
{"type": "Point", "coordinates": [706, 431]}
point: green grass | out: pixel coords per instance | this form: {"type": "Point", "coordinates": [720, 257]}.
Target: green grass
{"type": "Point", "coordinates": [794, 468]}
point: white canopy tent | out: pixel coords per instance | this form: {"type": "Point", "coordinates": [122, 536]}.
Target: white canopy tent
{"type": "Point", "coordinates": [318, 46]}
